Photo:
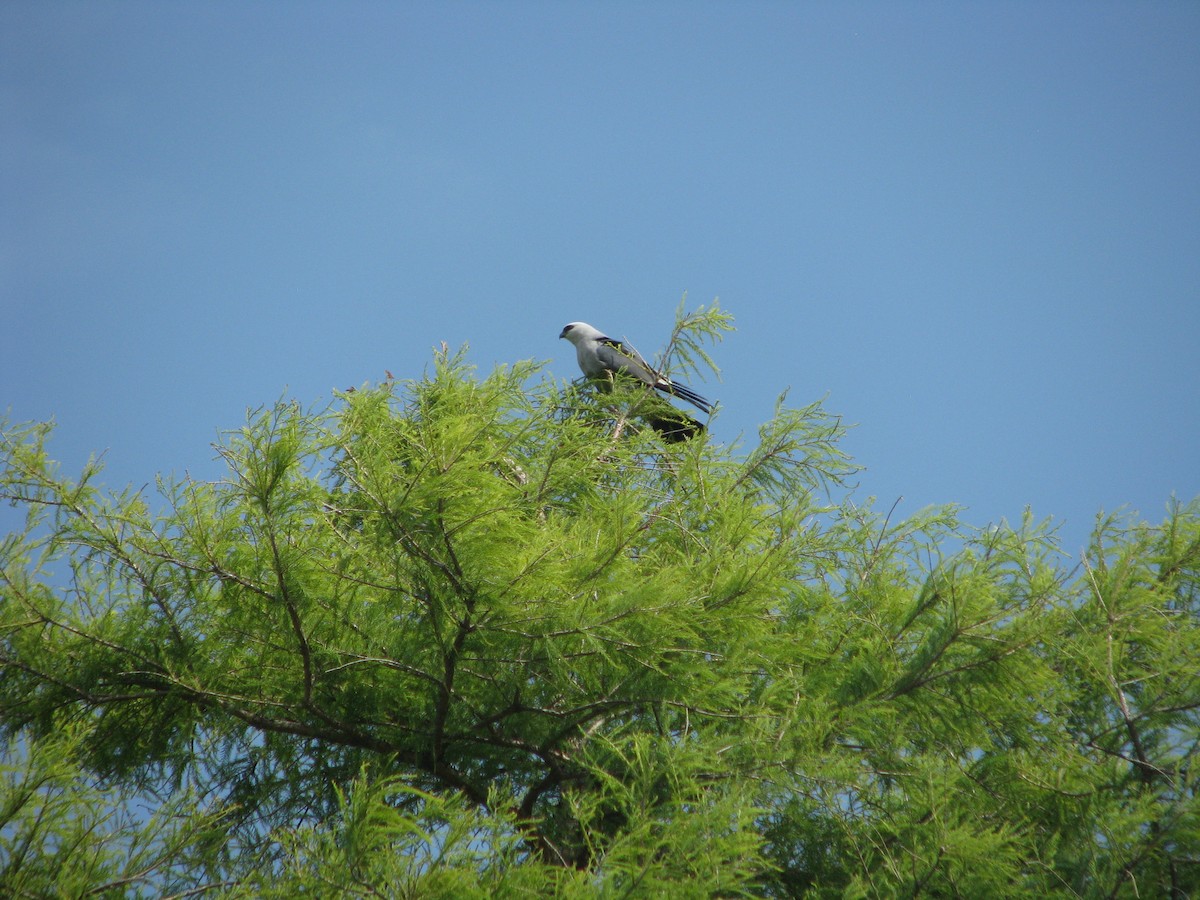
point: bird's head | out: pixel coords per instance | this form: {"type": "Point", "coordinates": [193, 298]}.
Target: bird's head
{"type": "Point", "coordinates": [579, 331]}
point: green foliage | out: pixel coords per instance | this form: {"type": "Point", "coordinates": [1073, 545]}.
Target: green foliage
{"type": "Point", "coordinates": [467, 637]}
{"type": "Point", "coordinates": [63, 834]}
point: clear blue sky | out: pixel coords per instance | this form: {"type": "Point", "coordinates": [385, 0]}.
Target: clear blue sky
{"type": "Point", "coordinates": [974, 227]}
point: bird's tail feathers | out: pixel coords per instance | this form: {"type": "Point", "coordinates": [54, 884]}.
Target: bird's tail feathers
{"type": "Point", "coordinates": [683, 392]}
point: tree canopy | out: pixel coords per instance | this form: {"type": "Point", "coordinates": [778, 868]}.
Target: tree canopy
{"type": "Point", "coordinates": [475, 636]}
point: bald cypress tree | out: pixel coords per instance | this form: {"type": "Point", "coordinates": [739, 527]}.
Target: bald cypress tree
{"type": "Point", "coordinates": [473, 636]}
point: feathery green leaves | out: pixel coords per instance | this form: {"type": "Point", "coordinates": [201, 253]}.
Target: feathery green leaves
{"type": "Point", "coordinates": [471, 636]}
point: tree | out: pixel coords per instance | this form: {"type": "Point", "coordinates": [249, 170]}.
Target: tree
{"type": "Point", "coordinates": [467, 637]}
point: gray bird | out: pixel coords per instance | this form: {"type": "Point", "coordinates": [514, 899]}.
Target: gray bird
{"type": "Point", "coordinates": [602, 357]}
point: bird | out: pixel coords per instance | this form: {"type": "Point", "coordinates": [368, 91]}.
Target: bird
{"type": "Point", "coordinates": [602, 357]}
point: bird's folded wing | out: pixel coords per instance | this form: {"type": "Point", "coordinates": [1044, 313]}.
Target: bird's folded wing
{"type": "Point", "coordinates": [616, 357]}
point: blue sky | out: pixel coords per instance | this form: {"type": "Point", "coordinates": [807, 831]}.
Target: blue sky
{"type": "Point", "coordinates": [973, 227]}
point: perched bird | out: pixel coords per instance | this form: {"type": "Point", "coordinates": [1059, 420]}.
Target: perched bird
{"type": "Point", "coordinates": [602, 357]}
